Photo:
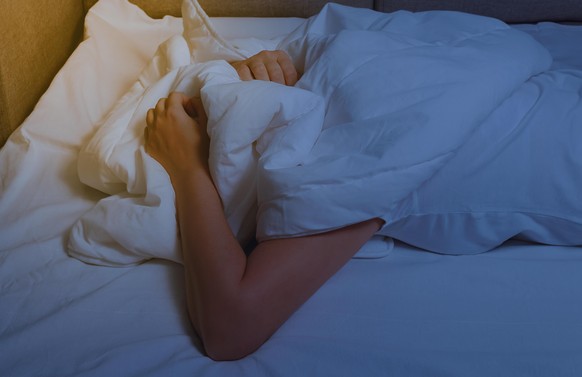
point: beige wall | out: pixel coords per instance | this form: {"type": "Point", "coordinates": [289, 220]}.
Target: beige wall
{"type": "Point", "coordinates": [37, 36]}
{"type": "Point", "coordinates": [155, 8]}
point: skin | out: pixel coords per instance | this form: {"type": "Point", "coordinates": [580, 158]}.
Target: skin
{"type": "Point", "coordinates": [236, 302]}
{"type": "Point", "coordinates": [273, 66]}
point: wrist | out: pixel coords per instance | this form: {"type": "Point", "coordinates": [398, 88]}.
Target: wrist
{"type": "Point", "coordinates": [185, 169]}
{"type": "Point", "coordinates": [188, 175]}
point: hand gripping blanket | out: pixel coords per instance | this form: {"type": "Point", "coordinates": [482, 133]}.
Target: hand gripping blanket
{"type": "Point", "coordinates": [385, 101]}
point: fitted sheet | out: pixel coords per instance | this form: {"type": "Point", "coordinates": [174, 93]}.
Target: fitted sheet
{"type": "Point", "coordinates": [513, 310]}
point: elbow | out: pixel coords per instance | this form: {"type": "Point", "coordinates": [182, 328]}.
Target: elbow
{"type": "Point", "coordinates": [233, 334]}
{"type": "Point", "coordinates": [233, 349]}
{"type": "Point", "coordinates": [228, 343]}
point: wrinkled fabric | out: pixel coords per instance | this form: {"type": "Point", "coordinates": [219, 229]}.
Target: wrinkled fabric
{"type": "Point", "coordinates": [385, 102]}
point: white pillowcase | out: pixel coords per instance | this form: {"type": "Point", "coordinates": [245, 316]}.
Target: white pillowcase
{"type": "Point", "coordinates": [206, 43]}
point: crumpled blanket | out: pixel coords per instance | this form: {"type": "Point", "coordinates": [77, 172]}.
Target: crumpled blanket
{"type": "Point", "coordinates": [385, 101]}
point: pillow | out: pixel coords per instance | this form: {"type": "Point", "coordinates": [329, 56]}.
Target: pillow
{"type": "Point", "coordinates": [102, 161]}
{"type": "Point", "coordinates": [203, 40]}
{"type": "Point", "coordinates": [206, 43]}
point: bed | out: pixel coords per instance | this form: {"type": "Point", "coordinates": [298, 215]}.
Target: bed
{"type": "Point", "coordinates": [397, 309]}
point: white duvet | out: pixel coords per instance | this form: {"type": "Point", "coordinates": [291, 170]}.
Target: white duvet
{"type": "Point", "coordinates": [385, 102]}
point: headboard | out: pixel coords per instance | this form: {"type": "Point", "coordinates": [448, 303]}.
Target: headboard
{"type": "Point", "coordinates": [38, 36]}
{"type": "Point", "coordinates": [510, 11]}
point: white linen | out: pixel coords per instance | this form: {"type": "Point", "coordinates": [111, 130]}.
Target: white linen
{"type": "Point", "coordinates": [518, 176]}
{"type": "Point", "coordinates": [334, 151]}
{"type": "Point", "coordinates": [414, 313]}
{"type": "Point", "coordinates": [137, 221]}
{"type": "Point", "coordinates": [402, 93]}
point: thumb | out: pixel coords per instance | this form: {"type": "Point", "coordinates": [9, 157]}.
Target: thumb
{"type": "Point", "coordinates": [198, 109]}
{"type": "Point", "coordinates": [190, 107]}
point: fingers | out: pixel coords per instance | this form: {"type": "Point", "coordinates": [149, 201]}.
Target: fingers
{"type": "Point", "coordinates": [196, 103]}
{"type": "Point", "coordinates": [259, 70]}
{"type": "Point", "coordinates": [176, 105]}
{"type": "Point", "coordinates": [273, 66]}
{"type": "Point", "coordinates": [287, 68]}
{"type": "Point", "coordinates": [177, 101]}
{"type": "Point", "coordinates": [149, 123]}
{"type": "Point", "coordinates": [275, 73]}
{"type": "Point", "coordinates": [153, 114]}
{"type": "Point", "coordinates": [244, 72]}
{"type": "Point", "coordinates": [264, 66]}
{"type": "Point", "coordinates": [150, 118]}
{"type": "Point", "coordinates": [191, 105]}
{"type": "Point", "coordinates": [161, 105]}
{"type": "Point", "coordinates": [190, 109]}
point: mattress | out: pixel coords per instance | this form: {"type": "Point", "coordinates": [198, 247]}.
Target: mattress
{"type": "Point", "coordinates": [511, 311]}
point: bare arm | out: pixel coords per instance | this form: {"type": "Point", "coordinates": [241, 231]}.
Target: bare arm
{"type": "Point", "coordinates": [235, 302]}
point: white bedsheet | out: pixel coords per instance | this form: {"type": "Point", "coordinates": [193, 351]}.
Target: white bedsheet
{"type": "Point", "coordinates": [514, 310]}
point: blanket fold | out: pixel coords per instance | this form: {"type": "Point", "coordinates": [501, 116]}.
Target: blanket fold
{"type": "Point", "coordinates": [384, 103]}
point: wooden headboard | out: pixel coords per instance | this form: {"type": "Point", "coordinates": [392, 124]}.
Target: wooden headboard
{"type": "Point", "coordinates": [39, 36]}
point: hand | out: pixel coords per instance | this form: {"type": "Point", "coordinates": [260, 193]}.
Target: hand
{"type": "Point", "coordinates": [273, 66]}
{"type": "Point", "coordinates": [176, 134]}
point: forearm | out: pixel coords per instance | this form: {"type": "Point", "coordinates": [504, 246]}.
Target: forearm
{"type": "Point", "coordinates": [214, 262]}
{"type": "Point", "coordinates": [235, 302]}
{"type": "Point", "coordinates": [205, 235]}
